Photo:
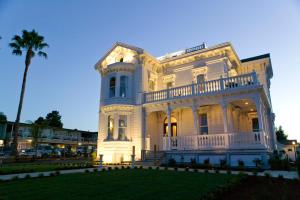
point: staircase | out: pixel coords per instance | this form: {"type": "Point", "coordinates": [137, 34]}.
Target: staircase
{"type": "Point", "coordinates": [152, 158]}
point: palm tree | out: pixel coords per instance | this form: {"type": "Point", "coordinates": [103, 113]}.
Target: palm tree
{"type": "Point", "coordinates": [31, 43]}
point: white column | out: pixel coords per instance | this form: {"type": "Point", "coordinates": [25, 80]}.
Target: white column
{"type": "Point", "coordinates": [169, 111]}
{"type": "Point", "coordinates": [259, 113]}
{"type": "Point", "coordinates": [196, 119]}
{"type": "Point", "coordinates": [225, 120]}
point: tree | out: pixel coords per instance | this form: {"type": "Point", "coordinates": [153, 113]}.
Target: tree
{"type": "Point", "coordinates": [36, 132]}
{"type": "Point", "coordinates": [280, 135]}
{"type": "Point", "coordinates": [40, 121]}
{"type": "Point", "coordinates": [33, 44]}
{"type": "Point", "coordinates": [54, 119]}
{"type": "Point", "coordinates": [3, 118]}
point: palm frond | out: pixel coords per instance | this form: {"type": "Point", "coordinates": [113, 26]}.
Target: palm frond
{"type": "Point", "coordinates": [17, 52]}
{"type": "Point", "coordinates": [43, 54]}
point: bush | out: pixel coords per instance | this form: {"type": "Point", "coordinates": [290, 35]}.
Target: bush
{"type": "Point", "coordinates": [280, 176]}
{"type": "Point", "coordinates": [187, 169]}
{"type": "Point", "coordinates": [150, 167]}
{"type": "Point", "coordinates": [258, 163]}
{"type": "Point", "coordinates": [41, 175]}
{"type": "Point", "coordinates": [267, 175]}
{"type": "Point", "coordinates": [172, 162]}
{"type": "Point", "coordinates": [109, 168]}
{"type": "Point", "coordinates": [229, 171]}
{"type": "Point", "coordinates": [278, 162]}
{"type": "Point", "coordinates": [193, 163]}
{"type": "Point", "coordinates": [217, 171]}
{"type": "Point", "coordinates": [157, 167]}
{"type": "Point", "coordinates": [95, 170]}
{"type": "Point", "coordinates": [206, 164]}
{"type": "Point", "coordinates": [195, 170]}
{"type": "Point", "coordinates": [57, 173]}
{"type": "Point", "coordinates": [166, 168]}
{"type": "Point", "coordinates": [128, 167]}
{"type": "Point", "coordinates": [15, 178]}
{"type": "Point", "coordinates": [175, 169]}
{"type": "Point", "coordinates": [223, 164]}
{"type": "Point", "coordinates": [86, 171]}
{"type": "Point", "coordinates": [241, 165]}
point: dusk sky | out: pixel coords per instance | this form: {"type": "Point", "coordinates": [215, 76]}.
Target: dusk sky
{"type": "Point", "coordinates": [80, 32]}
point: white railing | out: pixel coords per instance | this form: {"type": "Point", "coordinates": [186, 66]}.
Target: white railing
{"type": "Point", "coordinates": [216, 141]}
{"type": "Point", "coordinates": [221, 84]}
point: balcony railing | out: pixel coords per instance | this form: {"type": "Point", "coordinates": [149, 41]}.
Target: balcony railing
{"type": "Point", "coordinates": [216, 141]}
{"type": "Point", "coordinates": [207, 87]}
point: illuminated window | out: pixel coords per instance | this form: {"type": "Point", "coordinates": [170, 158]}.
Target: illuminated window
{"type": "Point", "coordinates": [110, 127]}
{"type": "Point", "coordinates": [123, 86]}
{"type": "Point", "coordinates": [203, 124]}
{"type": "Point", "coordinates": [122, 127]}
{"type": "Point", "coordinates": [112, 87]}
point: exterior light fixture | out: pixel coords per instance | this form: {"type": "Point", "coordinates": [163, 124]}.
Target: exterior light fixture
{"type": "Point", "coordinates": [246, 103]}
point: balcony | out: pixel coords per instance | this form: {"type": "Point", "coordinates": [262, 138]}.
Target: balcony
{"type": "Point", "coordinates": [253, 140]}
{"type": "Point", "coordinates": [208, 87]}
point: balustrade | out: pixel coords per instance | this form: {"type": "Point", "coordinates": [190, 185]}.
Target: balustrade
{"type": "Point", "coordinates": [221, 84]}
{"type": "Point", "coordinates": [216, 141]}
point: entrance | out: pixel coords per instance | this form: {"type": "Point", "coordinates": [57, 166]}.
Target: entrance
{"type": "Point", "coordinates": [173, 131]}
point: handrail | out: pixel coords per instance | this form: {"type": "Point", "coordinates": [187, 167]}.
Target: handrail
{"type": "Point", "coordinates": [217, 85]}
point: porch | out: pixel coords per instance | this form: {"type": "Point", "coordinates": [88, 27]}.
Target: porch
{"type": "Point", "coordinates": [228, 141]}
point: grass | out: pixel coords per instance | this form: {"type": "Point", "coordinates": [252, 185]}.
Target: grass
{"type": "Point", "coordinates": [34, 167]}
{"type": "Point", "coordinates": [117, 184]}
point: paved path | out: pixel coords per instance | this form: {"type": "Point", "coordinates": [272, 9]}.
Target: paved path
{"type": "Point", "coordinates": [285, 174]}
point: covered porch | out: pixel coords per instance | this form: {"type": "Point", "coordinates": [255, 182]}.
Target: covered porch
{"type": "Point", "coordinates": [236, 124]}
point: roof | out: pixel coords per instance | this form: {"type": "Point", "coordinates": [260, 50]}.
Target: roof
{"type": "Point", "coordinates": [56, 128]}
{"type": "Point", "coordinates": [267, 55]}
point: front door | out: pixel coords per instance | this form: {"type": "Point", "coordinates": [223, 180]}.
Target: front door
{"type": "Point", "coordinates": [173, 134]}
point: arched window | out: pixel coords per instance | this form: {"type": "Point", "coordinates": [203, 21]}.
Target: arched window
{"type": "Point", "coordinates": [123, 86]}
{"type": "Point", "coordinates": [112, 87]}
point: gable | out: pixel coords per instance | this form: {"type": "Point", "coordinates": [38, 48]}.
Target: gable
{"type": "Point", "coordinates": [119, 51]}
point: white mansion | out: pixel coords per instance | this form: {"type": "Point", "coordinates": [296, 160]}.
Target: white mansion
{"type": "Point", "coordinates": [199, 103]}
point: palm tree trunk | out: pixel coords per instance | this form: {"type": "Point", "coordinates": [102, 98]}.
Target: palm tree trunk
{"type": "Point", "coordinates": [16, 127]}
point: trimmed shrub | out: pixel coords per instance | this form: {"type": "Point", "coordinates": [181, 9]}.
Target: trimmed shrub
{"type": "Point", "coordinates": [57, 173]}
{"type": "Point", "coordinates": [241, 165]}
{"type": "Point", "coordinates": [172, 162]}
{"type": "Point", "coordinates": [280, 176]}
{"type": "Point", "coordinates": [195, 170]}
{"type": "Point", "coordinates": [166, 168]}
{"type": "Point", "coordinates": [187, 169]}
{"type": "Point", "coordinates": [86, 171]}
{"type": "Point", "coordinates": [103, 169]}
{"type": "Point", "coordinates": [157, 168]}
{"type": "Point", "coordinates": [228, 171]}
{"type": "Point", "coordinates": [95, 170]}
{"type": "Point", "coordinates": [141, 167]}
{"type": "Point", "coordinates": [206, 171]}
{"type": "Point", "coordinates": [150, 167]}
{"type": "Point", "coordinates": [128, 167]}
{"type": "Point", "coordinates": [109, 168]}
{"type": "Point", "coordinates": [267, 175]}
{"type": "Point", "coordinates": [217, 171]}
{"type": "Point", "coordinates": [15, 178]}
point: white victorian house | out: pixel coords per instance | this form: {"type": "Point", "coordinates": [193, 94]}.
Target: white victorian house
{"type": "Point", "coordinates": [198, 103]}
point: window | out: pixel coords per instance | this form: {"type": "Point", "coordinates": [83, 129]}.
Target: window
{"type": "Point", "coordinates": [200, 78]}
{"type": "Point", "coordinates": [255, 125]}
{"type": "Point", "coordinates": [122, 127]}
{"type": "Point", "coordinates": [123, 86]}
{"type": "Point", "coordinates": [203, 124]}
{"type": "Point", "coordinates": [112, 87]}
{"type": "Point", "coordinates": [110, 127]}
{"type": "Point", "coordinates": [121, 59]}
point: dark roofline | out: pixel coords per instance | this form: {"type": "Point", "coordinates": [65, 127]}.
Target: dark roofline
{"type": "Point", "coordinates": [267, 55]}
{"type": "Point", "coordinates": [56, 128]}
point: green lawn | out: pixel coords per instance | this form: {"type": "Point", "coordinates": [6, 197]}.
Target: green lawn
{"type": "Point", "coordinates": [117, 184]}
{"type": "Point", "coordinates": [34, 167]}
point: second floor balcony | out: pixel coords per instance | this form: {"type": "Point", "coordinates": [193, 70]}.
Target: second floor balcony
{"type": "Point", "coordinates": [203, 88]}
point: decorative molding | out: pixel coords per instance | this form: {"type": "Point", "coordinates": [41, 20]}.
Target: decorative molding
{"type": "Point", "coordinates": [120, 109]}
{"type": "Point", "coordinates": [169, 78]}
